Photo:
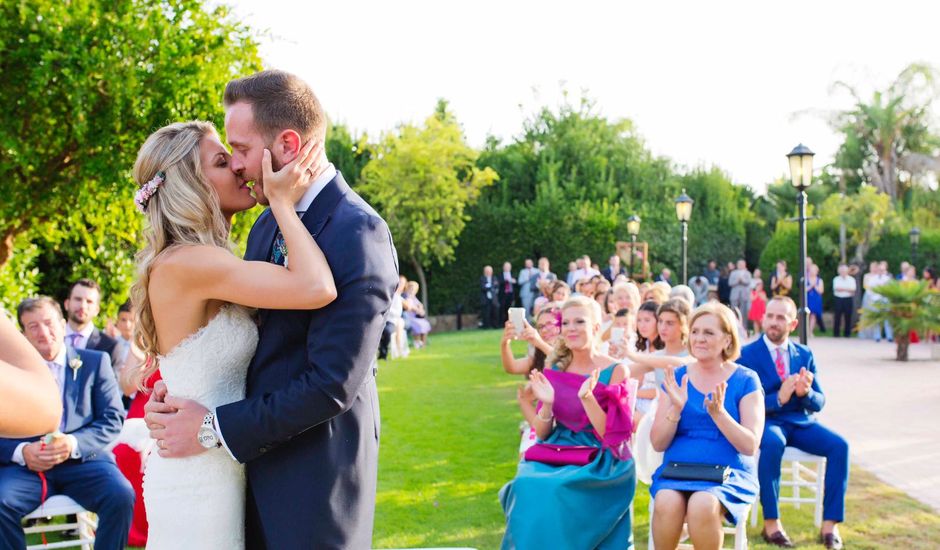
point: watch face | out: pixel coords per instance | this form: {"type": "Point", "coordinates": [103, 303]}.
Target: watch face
{"type": "Point", "coordinates": [207, 438]}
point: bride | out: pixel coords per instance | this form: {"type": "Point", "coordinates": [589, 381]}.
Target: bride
{"type": "Point", "coordinates": [191, 324]}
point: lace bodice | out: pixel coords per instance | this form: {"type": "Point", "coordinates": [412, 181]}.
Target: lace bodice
{"type": "Point", "coordinates": [210, 365]}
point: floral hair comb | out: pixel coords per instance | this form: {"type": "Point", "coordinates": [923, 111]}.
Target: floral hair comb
{"type": "Point", "coordinates": [148, 190]}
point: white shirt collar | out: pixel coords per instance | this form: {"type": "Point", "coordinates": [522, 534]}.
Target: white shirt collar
{"type": "Point", "coordinates": [60, 358]}
{"type": "Point", "coordinates": [318, 184]}
{"type": "Point", "coordinates": [85, 332]}
{"type": "Point", "coordinates": [784, 347]}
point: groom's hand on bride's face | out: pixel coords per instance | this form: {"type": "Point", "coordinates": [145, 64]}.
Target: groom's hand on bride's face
{"type": "Point", "coordinates": [178, 436]}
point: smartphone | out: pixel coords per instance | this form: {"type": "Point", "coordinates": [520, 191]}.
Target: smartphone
{"type": "Point", "coordinates": [517, 317]}
{"type": "Point", "coordinates": [616, 334]}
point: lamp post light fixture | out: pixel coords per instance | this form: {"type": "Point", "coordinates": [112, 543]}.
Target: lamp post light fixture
{"type": "Point", "coordinates": [801, 176]}
{"type": "Point", "coordinates": [915, 240]}
{"type": "Point", "coordinates": [684, 212]}
{"type": "Point", "coordinates": [633, 228]}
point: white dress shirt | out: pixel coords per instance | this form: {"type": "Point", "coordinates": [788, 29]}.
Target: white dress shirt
{"type": "Point", "coordinates": [784, 350]}
{"type": "Point", "coordinates": [843, 283]}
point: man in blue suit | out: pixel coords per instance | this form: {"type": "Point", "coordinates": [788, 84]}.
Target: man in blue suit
{"type": "Point", "coordinates": [74, 461]}
{"type": "Point", "coordinates": [792, 397]}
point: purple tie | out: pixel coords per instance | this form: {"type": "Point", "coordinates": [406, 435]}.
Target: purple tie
{"type": "Point", "coordinates": [74, 337]}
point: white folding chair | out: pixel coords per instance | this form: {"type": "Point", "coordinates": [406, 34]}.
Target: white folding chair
{"type": "Point", "coordinates": [61, 505]}
{"type": "Point", "coordinates": [798, 476]}
{"type": "Point", "coordinates": [739, 532]}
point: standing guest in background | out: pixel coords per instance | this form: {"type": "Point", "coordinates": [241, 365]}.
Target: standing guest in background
{"type": "Point", "coordinates": [542, 278]}
{"type": "Point", "coordinates": [699, 286]}
{"type": "Point", "coordinates": [613, 269]}
{"type": "Point", "coordinates": [624, 295]}
{"type": "Point", "coordinates": [590, 267]}
{"type": "Point", "coordinates": [489, 299]}
{"type": "Point", "coordinates": [724, 288]}
{"type": "Point", "coordinates": [81, 308]}
{"type": "Point", "coordinates": [75, 462]}
{"type": "Point", "coordinates": [657, 292]}
{"type": "Point", "coordinates": [683, 292]}
{"type": "Point", "coordinates": [756, 276]}
{"type": "Point", "coordinates": [507, 292]}
{"type": "Point", "coordinates": [843, 288]}
{"type": "Point", "coordinates": [128, 357]}
{"type": "Point", "coordinates": [30, 400]}
{"type": "Point", "coordinates": [781, 282]}
{"type": "Point", "coordinates": [903, 271]}
{"type": "Point", "coordinates": [787, 373]}
{"type": "Point", "coordinates": [910, 273]}
{"type": "Point", "coordinates": [664, 276]}
{"type": "Point", "coordinates": [758, 305]}
{"type": "Point", "coordinates": [740, 282]}
{"type": "Point", "coordinates": [573, 268]}
{"type": "Point", "coordinates": [869, 281]}
{"type": "Point", "coordinates": [527, 292]}
{"type": "Point", "coordinates": [814, 299]}
{"type": "Point", "coordinates": [581, 271]}
{"type": "Point", "coordinates": [711, 273]}
{"type": "Point", "coordinates": [393, 320]}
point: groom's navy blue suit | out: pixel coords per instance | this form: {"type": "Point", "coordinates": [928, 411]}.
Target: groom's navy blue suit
{"type": "Point", "coordinates": [309, 427]}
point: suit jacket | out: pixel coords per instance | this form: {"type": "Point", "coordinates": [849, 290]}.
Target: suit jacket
{"type": "Point", "coordinates": [491, 286]}
{"type": "Point", "coordinates": [92, 408]}
{"type": "Point", "coordinates": [501, 281]}
{"type": "Point", "coordinates": [100, 341]}
{"type": "Point", "coordinates": [798, 410]}
{"type": "Point", "coordinates": [309, 426]}
{"type": "Point", "coordinates": [610, 275]}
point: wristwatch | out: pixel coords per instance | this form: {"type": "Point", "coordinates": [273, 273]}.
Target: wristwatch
{"type": "Point", "coordinates": [207, 436]}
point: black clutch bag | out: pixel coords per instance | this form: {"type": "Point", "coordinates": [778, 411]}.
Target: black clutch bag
{"type": "Point", "coordinates": [714, 473]}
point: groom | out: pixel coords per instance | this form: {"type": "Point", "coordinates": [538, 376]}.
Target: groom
{"type": "Point", "coordinates": [308, 429]}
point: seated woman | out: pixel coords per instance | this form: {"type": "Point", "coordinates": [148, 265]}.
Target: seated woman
{"type": "Point", "coordinates": [541, 339]}
{"type": "Point", "coordinates": [711, 412]}
{"type": "Point", "coordinates": [415, 316]}
{"type": "Point", "coordinates": [585, 400]}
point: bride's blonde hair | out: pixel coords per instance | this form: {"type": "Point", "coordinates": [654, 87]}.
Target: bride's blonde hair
{"type": "Point", "coordinates": [184, 210]}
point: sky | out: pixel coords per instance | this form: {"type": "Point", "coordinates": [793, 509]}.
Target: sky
{"type": "Point", "coordinates": [707, 83]}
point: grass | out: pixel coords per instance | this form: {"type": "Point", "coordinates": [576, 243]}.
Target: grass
{"type": "Point", "coordinates": [450, 440]}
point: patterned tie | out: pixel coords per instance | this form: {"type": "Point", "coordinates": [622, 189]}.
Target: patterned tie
{"type": "Point", "coordinates": [279, 249]}
{"type": "Point", "coordinates": [781, 367]}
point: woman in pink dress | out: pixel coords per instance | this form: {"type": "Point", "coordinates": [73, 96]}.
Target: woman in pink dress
{"type": "Point", "coordinates": [758, 305]}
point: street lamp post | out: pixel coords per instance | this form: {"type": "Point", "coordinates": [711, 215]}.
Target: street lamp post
{"type": "Point", "coordinates": [633, 228]}
{"type": "Point", "coordinates": [915, 240]}
{"type": "Point", "coordinates": [801, 176]}
{"type": "Point", "coordinates": [684, 212]}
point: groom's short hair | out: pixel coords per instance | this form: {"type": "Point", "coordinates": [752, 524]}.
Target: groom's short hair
{"type": "Point", "coordinates": [279, 101]}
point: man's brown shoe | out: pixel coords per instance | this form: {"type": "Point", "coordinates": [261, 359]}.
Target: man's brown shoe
{"type": "Point", "coordinates": [778, 538]}
{"type": "Point", "coordinates": [831, 541]}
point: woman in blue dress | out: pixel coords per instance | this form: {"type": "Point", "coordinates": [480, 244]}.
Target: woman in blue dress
{"type": "Point", "coordinates": [814, 298]}
{"type": "Point", "coordinates": [586, 399]}
{"type": "Point", "coordinates": [711, 412]}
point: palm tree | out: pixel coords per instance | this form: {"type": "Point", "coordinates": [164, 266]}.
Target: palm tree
{"type": "Point", "coordinates": [908, 306]}
{"type": "Point", "coordinates": [879, 133]}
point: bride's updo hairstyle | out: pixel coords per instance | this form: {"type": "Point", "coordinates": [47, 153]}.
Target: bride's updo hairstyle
{"type": "Point", "coordinates": [182, 210]}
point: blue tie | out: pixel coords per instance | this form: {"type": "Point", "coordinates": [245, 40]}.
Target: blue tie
{"type": "Point", "coordinates": [279, 249]}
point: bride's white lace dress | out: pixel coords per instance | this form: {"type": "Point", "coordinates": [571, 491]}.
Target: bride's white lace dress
{"type": "Point", "coordinates": [199, 502]}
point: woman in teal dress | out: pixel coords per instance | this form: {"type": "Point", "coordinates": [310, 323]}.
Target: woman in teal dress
{"type": "Point", "coordinates": [585, 399]}
{"type": "Point", "coordinates": [711, 412]}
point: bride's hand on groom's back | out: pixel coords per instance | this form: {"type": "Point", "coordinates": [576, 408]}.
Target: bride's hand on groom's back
{"type": "Point", "coordinates": [293, 179]}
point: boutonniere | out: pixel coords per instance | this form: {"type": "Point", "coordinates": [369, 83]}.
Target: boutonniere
{"type": "Point", "coordinates": [75, 363]}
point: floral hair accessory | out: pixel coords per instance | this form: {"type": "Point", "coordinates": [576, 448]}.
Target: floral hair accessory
{"type": "Point", "coordinates": [148, 190]}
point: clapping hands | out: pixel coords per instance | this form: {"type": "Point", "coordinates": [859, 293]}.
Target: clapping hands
{"type": "Point", "coordinates": [586, 391]}
{"type": "Point", "coordinates": [678, 394]}
{"type": "Point", "coordinates": [542, 388]}
{"type": "Point", "coordinates": [803, 383]}
{"type": "Point", "coordinates": [715, 402]}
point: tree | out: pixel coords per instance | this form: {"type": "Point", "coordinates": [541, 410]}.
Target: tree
{"type": "Point", "coordinates": [348, 153]}
{"type": "Point", "coordinates": [863, 215]}
{"type": "Point", "coordinates": [908, 306]}
{"type": "Point", "coordinates": [84, 83]}
{"type": "Point", "coordinates": [422, 179]}
{"type": "Point", "coordinates": [879, 133]}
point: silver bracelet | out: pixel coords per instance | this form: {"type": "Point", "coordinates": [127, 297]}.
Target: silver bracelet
{"type": "Point", "coordinates": [542, 418]}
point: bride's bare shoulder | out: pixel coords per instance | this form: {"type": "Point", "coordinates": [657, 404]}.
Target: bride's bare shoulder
{"type": "Point", "coordinates": [190, 261]}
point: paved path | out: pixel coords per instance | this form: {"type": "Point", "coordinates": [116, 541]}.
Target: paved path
{"type": "Point", "coordinates": [889, 411]}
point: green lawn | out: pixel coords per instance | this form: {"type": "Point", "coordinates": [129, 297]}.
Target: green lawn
{"type": "Point", "coordinates": [450, 439]}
